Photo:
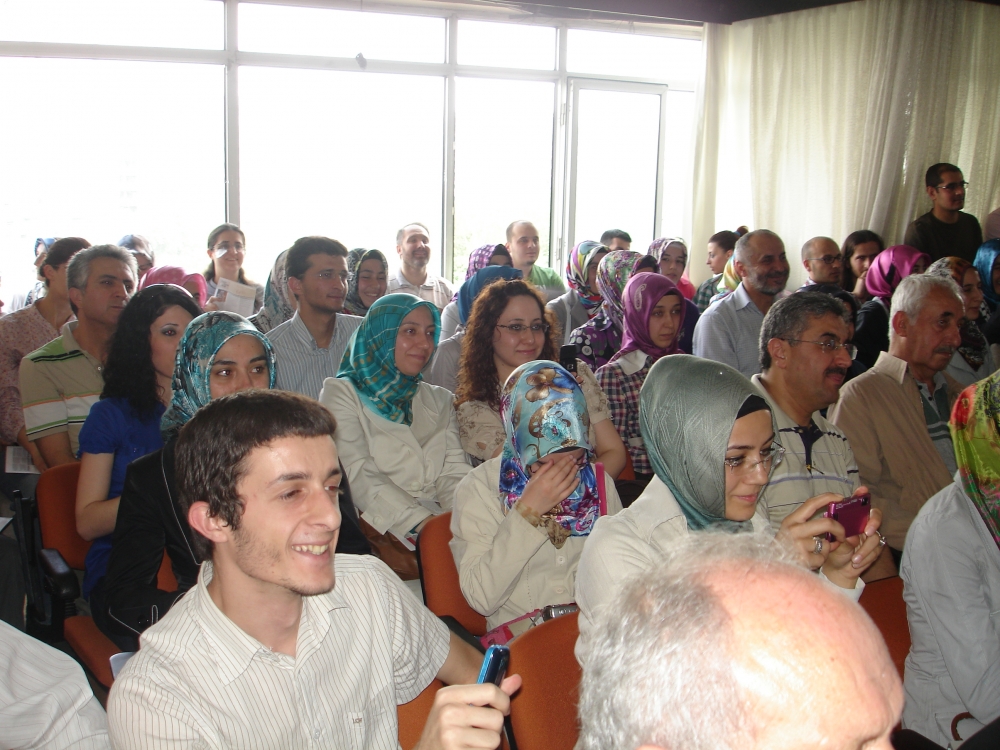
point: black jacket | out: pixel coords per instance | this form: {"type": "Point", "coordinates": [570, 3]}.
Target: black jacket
{"type": "Point", "coordinates": [150, 521]}
{"type": "Point", "coordinates": [871, 335]}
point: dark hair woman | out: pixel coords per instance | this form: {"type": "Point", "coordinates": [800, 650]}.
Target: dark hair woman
{"type": "Point", "coordinates": [859, 251]}
{"type": "Point", "coordinates": [226, 251]}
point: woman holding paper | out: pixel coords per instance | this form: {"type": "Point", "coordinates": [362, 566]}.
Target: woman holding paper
{"type": "Point", "coordinates": [226, 249]}
{"type": "Point", "coordinates": [521, 519]}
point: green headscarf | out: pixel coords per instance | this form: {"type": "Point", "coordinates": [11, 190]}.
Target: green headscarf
{"type": "Point", "coordinates": [370, 359]}
{"type": "Point", "coordinates": [975, 432]}
{"type": "Point", "coordinates": [687, 407]}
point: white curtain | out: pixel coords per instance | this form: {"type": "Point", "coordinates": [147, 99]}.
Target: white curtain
{"type": "Point", "coordinates": [823, 121]}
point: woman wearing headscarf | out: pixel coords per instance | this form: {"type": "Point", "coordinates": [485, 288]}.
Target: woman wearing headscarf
{"type": "Point", "coordinates": [480, 258]}
{"type": "Point", "coordinates": [367, 274]}
{"type": "Point", "coordinates": [443, 369]}
{"type": "Point", "coordinates": [711, 442]}
{"type": "Point", "coordinates": [583, 300]}
{"type": "Point", "coordinates": [397, 436]}
{"type": "Point", "coordinates": [987, 263]}
{"type": "Point", "coordinates": [951, 582]}
{"type": "Point", "coordinates": [654, 318]}
{"type": "Point", "coordinates": [672, 255]}
{"type": "Point", "coordinates": [194, 283]}
{"type": "Point", "coordinates": [521, 519]}
{"type": "Point", "coordinates": [728, 282]}
{"type": "Point", "coordinates": [890, 266]}
{"type": "Point", "coordinates": [600, 338]}
{"type": "Point", "coordinates": [972, 360]}
{"type": "Point", "coordinates": [279, 304]}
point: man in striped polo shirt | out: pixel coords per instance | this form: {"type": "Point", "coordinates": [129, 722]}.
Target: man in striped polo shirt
{"type": "Point", "coordinates": [63, 379]}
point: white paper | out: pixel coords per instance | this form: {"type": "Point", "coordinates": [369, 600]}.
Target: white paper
{"type": "Point", "coordinates": [4, 521]}
{"type": "Point", "coordinates": [235, 297]}
{"type": "Point", "coordinates": [18, 461]}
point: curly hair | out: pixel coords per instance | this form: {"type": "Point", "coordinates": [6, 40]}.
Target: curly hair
{"type": "Point", "coordinates": [129, 372]}
{"type": "Point", "coordinates": [478, 379]}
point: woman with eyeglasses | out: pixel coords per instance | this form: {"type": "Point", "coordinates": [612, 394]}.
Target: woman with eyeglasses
{"type": "Point", "coordinates": [226, 251]}
{"type": "Point", "coordinates": [508, 327]}
{"type": "Point", "coordinates": [711, 442]}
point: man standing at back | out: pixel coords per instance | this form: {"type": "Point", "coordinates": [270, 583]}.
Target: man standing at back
{"type": "Point", "coordinates": [616, 239]}
{"type": "Point", "coordinates": [63, 379]}
{"type": "Point", "coordinates": [413, 247]}
{"type": "Point", "coordinates": [823, 262]}
{"type": "Point", "coordinates": [523, 246]}
{"type": "Point", "coordinates": [309, 347]}
{"type": "Point", "coordinates": [729, 330]}
{"type": "Point", "coordinates": [945, 229]}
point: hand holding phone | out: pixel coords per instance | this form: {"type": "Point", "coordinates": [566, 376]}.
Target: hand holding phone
{"type": "Point", "coordinates": [567, 357]}
{"type": "Point", "coordinates": [852, 513]}
{"type": "Point", "coordinates": [494, 667]}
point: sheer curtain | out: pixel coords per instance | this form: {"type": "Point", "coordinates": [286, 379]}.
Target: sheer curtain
{"type": "Point", "coordinates": [824, 121]}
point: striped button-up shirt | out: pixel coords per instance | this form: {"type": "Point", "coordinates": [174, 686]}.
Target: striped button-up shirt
{"type": "Point", "coordinates": [303, 366]}
{"type": "Point", "coordinates": [435, 290]}
{"type": "Point", "coordinates": [200, 681]}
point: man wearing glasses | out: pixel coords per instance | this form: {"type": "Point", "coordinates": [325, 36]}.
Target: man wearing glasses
{"type": "Point", "coordinates": [823, 262]}
{"type": "Point", "coordinates": [804, 359]}
{"type": "Point", "coordinates": [945, 229]}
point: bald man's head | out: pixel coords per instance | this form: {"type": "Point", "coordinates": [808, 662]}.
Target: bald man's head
{"type": "Point", "coordinates": [822, 260]}
{"type": "Point", "coordinates": [523, 244]}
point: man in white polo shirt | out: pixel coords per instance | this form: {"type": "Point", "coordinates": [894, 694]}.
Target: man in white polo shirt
{"type": "Point", "coordinates": [281, 643]}
{"type": "Point", "coordinates": [413, 246]}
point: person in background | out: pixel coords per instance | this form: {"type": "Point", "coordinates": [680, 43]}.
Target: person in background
{"type": "Point", "coordinates": [583, 299]}
{"type": "Point", "coordinates": [443, 367]}
{"type": "Point", "coordinates": [945, 229]}
{"type": "Point", "coordinates": [616, 239]}
{"type": "Point", "coordinates": [720, 249]}
{"type": "Point", "coordinates": [973, 359]}
{"type": "Point", "coordinates": [523, 246]}
{"type": "Point", "coordinates": [654, 318]}
{"type": "Point", "coordinates": [600, 338]}
{"type": "Point", "coordinates": [509, 327]}
{"type": "Point", "coordinates": [521, 519]}
{"type": "Point", "coordinates": [145, 259]}
{"type": "Point", "coordinates": [413, 247]}
{"type": "Point", "coordinates": [859, 251]}
{"type": "Point", "coordinates": [63, 379]}
{"type": "Point", "coordinates": [672, 255]}
{"type": "Point", "coordinates": [822, 260]}
{"type": "Point", "coordinates": [951, 582]}
{"type": "Point", "coordinates": [987, 263]}
{"type": "Point", "coordinates": [991, 229]}
{"type": "Point", "coordinates": [890, 267]}
{"type": "Point", "coordinates": [279, 304]}
{"type": "Point", "coordinates": [27, 299]}
{"type": "Point", "coordinates": [367, 274]}
{"type": "Point", "coordinates": [728, 283]}
{"type": "Point", "coordinates": [481, 257]}
{"type": "Point", "coordinates": [194, 283]}
{"type": "Point", "coordinates": [226, 251]}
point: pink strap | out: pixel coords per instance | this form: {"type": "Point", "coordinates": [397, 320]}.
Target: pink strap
{"type": "Point", "coordinates": [602, 492]}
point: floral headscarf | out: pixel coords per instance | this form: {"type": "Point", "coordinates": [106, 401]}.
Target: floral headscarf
{"type": "Point", "coordinates": [178, 277]}
{"type": "Point", "coordinates": [544, 411]}
{"type": "Point", "coordinates": [352, 300]}
{"type": "Point", "coordinates": [196, 353]}
{"type": "Point", "coordinates": [613, 273]}
{"type": "Point", "coordinates": [986, 256]}
{"type": "Point", "coordinates": [278, 303]}
{"type": "Point", "coordinates": [975, 433]}
{"type": "Point", "coordinates": [974, 346]}
{"type": "Point", "coordinates": [891, 266]}
{"type": "Point", "coordinates": [370, 359]}
{"type": "Point", "coordinates": [577, 265]}
{"type": "Point", "coordinates": [642, 293]}
{"type": "Point", "coordinates": [730, 279]}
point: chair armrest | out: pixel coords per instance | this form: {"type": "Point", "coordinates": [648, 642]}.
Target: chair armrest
{"type": "Point", "coordinates": [60, 579]}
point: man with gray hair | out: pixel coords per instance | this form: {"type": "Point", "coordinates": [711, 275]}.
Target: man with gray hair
{"type": "Point", "coordinates": [727, 331]}
{"type": "Point", "coordinates": [823, 261]}
{"type": "Point", "coordinates": [729, 643]}
{"type": "Point", "coordinates": [63, 379]}
{"type": "Point", "coordinates": [804, 358]}
{"type": "Point", "coordinates": [896, 414]}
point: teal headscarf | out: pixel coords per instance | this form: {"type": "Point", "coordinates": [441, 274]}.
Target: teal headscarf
{"type": "Point", "coordinates": [370, 359]}
{"type": "Point", "coordinates": [687, 407]}
{"type": "Point", "coordinates": [196, 352]}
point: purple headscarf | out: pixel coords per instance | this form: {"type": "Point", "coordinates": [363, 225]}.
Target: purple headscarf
{"type": "Point", "coordinates": [612, 274]}
{"type": "Point", "coordinates": [642, 293]}
{"type": "Point", "coordinates": [479, 259]}
{"type": "Point", "coordinates": [891, 266]}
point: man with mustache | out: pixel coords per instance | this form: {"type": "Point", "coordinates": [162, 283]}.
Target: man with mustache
{"type": "Point", "coordinates": [895, 415]}
{"type": "Point", "coordinates": [804, 357]}
{"type": "Point", "coordinates": [728, 330]}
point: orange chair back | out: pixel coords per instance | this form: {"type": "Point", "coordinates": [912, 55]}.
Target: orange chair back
{"type": "Point", "coordinates": [439, 576]}
{"type": "Point", "coordinates": [56, 498]}
{"type": "Point", "coordinates": [165, 579]}
{"type": "Point", "coordinates": [413, 715]}
{"type": "Point", "coordinates": [883, 601]}
{"type": "Point", "coordinates": [628, 472]}
{"type": "Point", "coordinates": [543, 712]}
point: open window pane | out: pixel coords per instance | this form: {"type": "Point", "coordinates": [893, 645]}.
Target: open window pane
{"type": "Point", "coordinates": [191, 24]}
{"type": "Point", "coordinates": [130, 148]}
{"type": "Point", "coordinates": [679, 138]}
{"type": "Point", "coordinates": [353, 156]}
{"type": "Point", "coordinates": [506, 45]}
{"type": "Point", "coordinates": [341, 33]}
{"type": "Point", "coordinates": [632, 55]}
{"type": "Point", "coordinates": [503, 162]}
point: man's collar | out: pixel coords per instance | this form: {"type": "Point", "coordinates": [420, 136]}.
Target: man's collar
{"type": "Point", "coordinates": [780, 417]}
{"type": "Point", "coordinates": [898, 369]}
{"type": "Point", "coordinates": [69, 340]}
{"type": "Point", "coordinates": [403, 281]}
{"type": "Point", "coordinates": [741, 297]}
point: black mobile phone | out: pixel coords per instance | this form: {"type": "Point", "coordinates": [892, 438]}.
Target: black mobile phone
{"type": "Point", "coordinates": [494, 665]}
{"type": "Point", "coordinates": [567, 357]}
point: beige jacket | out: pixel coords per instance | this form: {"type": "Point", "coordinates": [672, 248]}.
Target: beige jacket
{"type": "Point", "coordinates": [882, 414]}
{"type": "Point", "coordinates": [506, 566]}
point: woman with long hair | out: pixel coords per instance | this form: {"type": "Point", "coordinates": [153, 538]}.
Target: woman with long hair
{"type": "Point", "coordinates": [583, 300]}
{"type": "Point", "coordinates": [508, 327]}
{"type": "Point", "coordinates": [972, 360]}
{"type": "Point", "coordinates": [600, 338]}
{"type": "Point", "coordinates": [226, 251]}
{"type": "Point", "coordinates": [367, 280]}
{"type": "Point", "coordinates": [859, 251]}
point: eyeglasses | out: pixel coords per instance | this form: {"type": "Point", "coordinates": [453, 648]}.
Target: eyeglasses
{"type": "Point", "coordinates": [951, 187]}
{"type": "Point", "coordinates": [771, 457]}
{"type": "Point", "coordinates": [829, 346]}
{"type": "Point", "coordinates": [518, 328]}
{"type": "Point", "coordinates": [830, 260]}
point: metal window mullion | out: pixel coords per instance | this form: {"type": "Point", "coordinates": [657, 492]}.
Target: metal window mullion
{"type": "Point", "coordinates": [661, 158]}
{"type": "Point", "coordinates": [448, 224]}
{"type": "Point", "coordinates": [557, 205]}
{"type": "Point", "coordinates": [232, 115]}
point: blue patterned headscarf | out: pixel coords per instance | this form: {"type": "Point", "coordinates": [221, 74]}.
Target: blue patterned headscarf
{"type": "Point", "coordinates": [986, 256]}
{"type": "Point", "coordinates": [370, 359]}
{"type": "Point", "coordinates": [196, 353]}
{"type": "Point", "coordinates": [468, 292]}
{"type": "Point", "coordinates": [544, 411]}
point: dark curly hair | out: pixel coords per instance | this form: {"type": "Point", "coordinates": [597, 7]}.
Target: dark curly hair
{"type": "Point", "coordinates": [477, 372]}
{"type": "Point", "coordinates": [128, 372]}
